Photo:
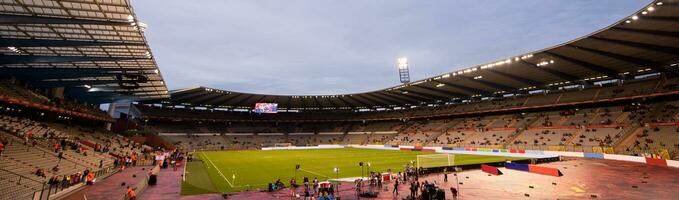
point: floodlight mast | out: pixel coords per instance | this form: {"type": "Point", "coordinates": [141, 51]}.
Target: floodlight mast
{"type": "Point", "coordinates": [403, 71]}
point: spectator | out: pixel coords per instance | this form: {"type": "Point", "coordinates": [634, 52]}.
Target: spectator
{"type": "Point", "coordinates": [131, 194]}
{"type": "Point", "coordinates": [40, 172]}
{"type": "Point", "coordinates": [2, 147]}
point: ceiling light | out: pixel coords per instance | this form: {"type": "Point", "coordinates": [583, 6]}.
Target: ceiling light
{"type": "Point", "coordinates": [440, 85]}
{"type": "Point", "coordinates": [644, 12]}
{"type": "Point", "coordinates": [659, 3]}
{"type": "Point", "coordinates": [650, 8]}
{"type": "Point", "coordinates": [635, 17]}
{"type": "Point", "coordinates": [628, 21]}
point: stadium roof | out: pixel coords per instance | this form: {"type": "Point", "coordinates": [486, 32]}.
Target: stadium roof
{"type": "Point", "coordinates": [95, 49]}
{"type": "Point", "coordinates": [645, 42]}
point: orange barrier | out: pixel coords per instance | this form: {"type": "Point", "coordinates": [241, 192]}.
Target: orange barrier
{"type": "Point", "coordinates": [544, 170]}
{"type": "Point", "coordinates": [656, 162]}
{"type": "Point", "coordinates": [490, 169]}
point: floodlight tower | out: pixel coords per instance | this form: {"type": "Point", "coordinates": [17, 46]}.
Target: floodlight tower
{"type": "Point", "coordinates": [403, 72]}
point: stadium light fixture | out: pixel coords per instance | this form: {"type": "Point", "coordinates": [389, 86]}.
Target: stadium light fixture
{"type": "Point", "coordinates": [402, 63]}
{"type": "Point", "coordinates": [440, 85]}
{"type": "Point", "coordinates": [14, 49]}
{"type": "Point", "coordinates": [87, 86]}
{"type": "Point", "coordinates": [635, 17]}
{"type": "Point", "coordinates": [403, 71]}
{"type": "Point", "coordinates": [659, 3]}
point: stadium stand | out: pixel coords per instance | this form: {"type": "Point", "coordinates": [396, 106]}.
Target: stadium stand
{"type": "Point", "coordinates": [563, 120]}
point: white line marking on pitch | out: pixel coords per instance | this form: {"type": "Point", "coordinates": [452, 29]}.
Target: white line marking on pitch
{"type": "Point", "coordinates": [314, 173]}
{"type": "Point", "coordinates": [220, 171]}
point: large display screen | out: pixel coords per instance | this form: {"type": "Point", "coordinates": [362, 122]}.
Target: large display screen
{"type": "Point", "coordinates": [266, 108]}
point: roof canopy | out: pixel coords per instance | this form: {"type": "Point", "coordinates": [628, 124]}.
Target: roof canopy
{"type": "Point", "coordinates": [95, 49]}
{"type": "Point", "coordinates": [645, 42]}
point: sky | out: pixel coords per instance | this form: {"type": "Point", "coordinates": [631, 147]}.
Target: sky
{"type": "Point", "coordinates": [320, 47]}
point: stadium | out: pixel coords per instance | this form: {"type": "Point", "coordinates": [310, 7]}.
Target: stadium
{"type": "Point", "coordinates": [86, 113]}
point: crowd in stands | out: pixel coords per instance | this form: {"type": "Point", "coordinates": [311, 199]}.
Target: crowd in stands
{"type": "Point", "coordinates": [50, 157]}
{"type": "Point", "coordinates": [14, 90]}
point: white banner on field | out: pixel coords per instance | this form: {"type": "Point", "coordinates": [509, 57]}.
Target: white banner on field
{"type": "Point", "coordinates": [329, 146]}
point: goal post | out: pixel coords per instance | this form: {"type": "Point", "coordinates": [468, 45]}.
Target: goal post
{"type": "Point", "coordinates": [435, 160]}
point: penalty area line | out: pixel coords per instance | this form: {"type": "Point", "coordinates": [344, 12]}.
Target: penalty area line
{"type": "Point", "coordinates": [219, 171]}
{"type": "Point", "coordinates": [304, 170]}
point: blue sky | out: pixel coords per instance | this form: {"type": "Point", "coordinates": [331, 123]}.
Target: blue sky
{"type": "Point", "coordinates": [309, 47]}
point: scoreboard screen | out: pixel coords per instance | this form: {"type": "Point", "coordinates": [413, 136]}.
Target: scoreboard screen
{"type": "Point", "coordinates": [266, 108]}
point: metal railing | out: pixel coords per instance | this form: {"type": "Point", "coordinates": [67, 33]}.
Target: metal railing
{"type": "Point", "coordinates": [48, 190]}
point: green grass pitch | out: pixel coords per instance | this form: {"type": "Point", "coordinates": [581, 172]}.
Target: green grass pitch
{"type": "Point", "coordinates": [253, 169]}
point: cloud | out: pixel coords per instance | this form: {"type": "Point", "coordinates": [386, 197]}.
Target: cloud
{"type": "Point", "coordinates": [328, 47]}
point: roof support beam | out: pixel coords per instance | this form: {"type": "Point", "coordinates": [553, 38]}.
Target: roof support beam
{"type": "Point", "coordinates": [488, 83]}
{"type": "Point", "coordinates": [14, 42]}
{"type": "Point", "coordinates": [318, 103]}
{"type": "Point", "coordinates": [652, 47]}
{"type": "Point", "coordinates": [346, 102]}
{"type": "Point", "coordinates": [659, 18]}
{"type": "Point", "coordinates": [404, 99]}
{"type": "Point", "coordinates": [236, 104]}
{"type": "Point", "coordinates": [517, 78]}
{"type": "Point", "coordinates": [418, 94]}
{"type": "Point", "coordinates": [329, 99]}
{"type": "Point", "coordinates": [180, 99]}
{"type": "Point", "coordinates": [56, 84]}
{"type": "Point", "coordinates": [288, 102]}
{"type": "Point", "coordinates": [439, 92]}
{"type": "Point", "coordinates": [637, 61]}
{"type": "Point", "coordinates": [260, 99]}
{"type": "Point", "coordinates": [392, 101]}
{"type": "Point", "coordinates": [201, 100]}
{"type": "Point", "coordinates": [6, 19]}
{"type": "Point", "coordinates": [554, 72]}
{"type": "Point", "coordinates": [23, 59]}
{"type": "Point", "coordinates": [674, 35]}
{"type": "Point", "coordinates": [380, 101]}
{"type": "Point", "coordinates": [34, 71]}
{"type": "Point", "coordinates": [41, 74]}
{"type": "Point", "coordinates": [593, 67]}
{"type": "Point", "coordinates": [473, 91]}
{"type": "Point", "coordinates": [359, 101]}
{"type": "Point", "coordinates": [118, 88]}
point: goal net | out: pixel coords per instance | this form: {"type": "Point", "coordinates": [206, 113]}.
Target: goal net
{"type": "Point", "coordinates": [435, 160]}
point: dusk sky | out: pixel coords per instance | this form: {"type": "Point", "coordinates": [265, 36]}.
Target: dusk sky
{"type": "Point", "coordinates": [307, 47]}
